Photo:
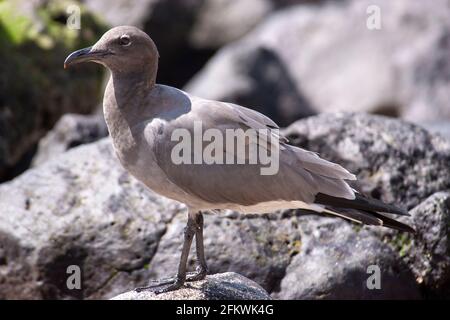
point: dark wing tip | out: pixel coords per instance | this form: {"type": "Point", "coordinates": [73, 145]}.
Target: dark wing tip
{"type": "Point", "coordinates": [377, 205]}
{"type": "Point", "coordinates": [394, 224]}
{"type": "Point", "coordinates": [370, 207]}
{"type": "Point", "coordinates": [360, 203]}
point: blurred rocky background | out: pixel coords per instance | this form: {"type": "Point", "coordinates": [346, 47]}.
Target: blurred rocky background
{"type": "Point", "coordinates": [374, 100]}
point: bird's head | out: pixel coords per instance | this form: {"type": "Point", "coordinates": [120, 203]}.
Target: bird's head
{"type": "Point", "coordinates": [123, 49]}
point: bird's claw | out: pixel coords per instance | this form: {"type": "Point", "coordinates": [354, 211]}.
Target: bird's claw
{"type": "Point", "coordinates": [173, 282]}
{"type": "Point", "coordinates": [155, 284]}
{"type": "Point", "coordinates": [200, 274]}
{"type": "Point", "coordinates": [175, 286]}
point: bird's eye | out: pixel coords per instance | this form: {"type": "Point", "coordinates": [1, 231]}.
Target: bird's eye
{"type": "Point", "coordinates": [124, 40]}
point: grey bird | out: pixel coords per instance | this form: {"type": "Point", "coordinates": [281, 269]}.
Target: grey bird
{"type": "Point", "coordinates": [141, 117]}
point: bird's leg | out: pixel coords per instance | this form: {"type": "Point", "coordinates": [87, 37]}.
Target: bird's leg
{"type": "Point", "coordinates": [202, 268]}
{"type": "Point", "coordinates": [178, 281]}
{"type": "Point", "coordinates": [194, 227]}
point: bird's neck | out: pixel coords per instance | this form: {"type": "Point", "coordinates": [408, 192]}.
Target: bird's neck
{"type": "Point", "coordinates": [132, 83]}
{"type": "Point", "coordinates": [127, 90]}
{"type": "Point", "coordinates": [123, 97]}
{"type": "Point", "coordinates": [121, 110]}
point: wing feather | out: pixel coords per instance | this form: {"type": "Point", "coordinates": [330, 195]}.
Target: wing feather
{"type": "Point", "coordinates": [301, 175]}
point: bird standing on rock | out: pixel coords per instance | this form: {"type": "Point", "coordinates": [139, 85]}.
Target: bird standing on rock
{"type": "Point", "coordinates": [143, 118]}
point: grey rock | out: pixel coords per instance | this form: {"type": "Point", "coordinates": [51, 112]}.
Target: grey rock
{"type": "Point", "coordinates": [224, 286]}
{"type": "Point", "coordinates": [400, 163]}
{"type": "Point", "coordinates": [259, 70]}
{"type": "Point", "coordinates": [339, 64]}
{"type": "Point", "coordinates": [427, 74]}
{"type": "Point", "coordinates": [335, 263]}
{"type": "Point", "coordinates": [431, 254]}
{"type": "Point", "coordinates": [122, 12]}
{"type": "Point", "coordinates": [394, 160]}
{"type": "Point", "coordinates": [80, 208]}
{"type": "Point", "coordinates": [426, 252]}
{"type": "Point", "coordinates": [221, 21]}
{"type": "Point", "coordinates": [70, 131]}
{"type": "Point", "coordinates": [440, 127]}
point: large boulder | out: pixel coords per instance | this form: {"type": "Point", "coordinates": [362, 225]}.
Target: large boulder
{"type": "Point", "coordinates": [122, 12]}
{"type": "Point", "coordinates": [341, 262]}
{"type": "Point", "coordinates": [442, 127]}
{"type": "Point", "coordinates": [220, 22]}
{"type": "Point", "coordinates": [395, 161]}
{"type": "Point", "coordinates": [255, 78]}
{"type": "Point", "coordinates": [399, 163]}
{"type": "Point", "coordinates": [81, 209]}
{"type": "Point", "coordinates": [222, 286]}
{"type": "Point", "coordinates": [70, 131]}
{"type": "Point", "coordinates": [429, 251]}
{"type": "Point", "coordinates": [35, 90]}
{"type": "Point", "coordinates": [426, 252]}
{"type": "Point", "coordinates": [338, 63]}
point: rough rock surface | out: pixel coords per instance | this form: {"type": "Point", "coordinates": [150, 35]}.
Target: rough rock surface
{"type": "Point", "coordinates": [335, 263]}
{"type": "Point", "coordinates": [80, 208]}
{"type": "Point", "coordinates": [339, 64]}
{"type": "Point", "coordinates": [427, 252]}
{"type": "Point", "coordinates": [431, 254]}
{"type": "Point", "coordinates": [400, 163]}
{"type": "Point", "coordinates": [394, 160]}
{"type": "Point", "coordinates": [440, 127]}
{"type": "Point", "coordinates": [70, 131]}
{"type": "Point", "coordinates": [224, 286]}
{"type": "Point", "coordinates": [35, 90]}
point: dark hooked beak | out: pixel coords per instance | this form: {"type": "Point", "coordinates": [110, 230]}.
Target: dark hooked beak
{"type": "Point", "coordinates": [84, 55]}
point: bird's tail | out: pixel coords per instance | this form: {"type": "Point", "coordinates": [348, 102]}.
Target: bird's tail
{"type": "Point", "coordinates": [363, 210]}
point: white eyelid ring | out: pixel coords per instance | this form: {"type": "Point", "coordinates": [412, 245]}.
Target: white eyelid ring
{"type": "Point", "coordinates": [124, 40]}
